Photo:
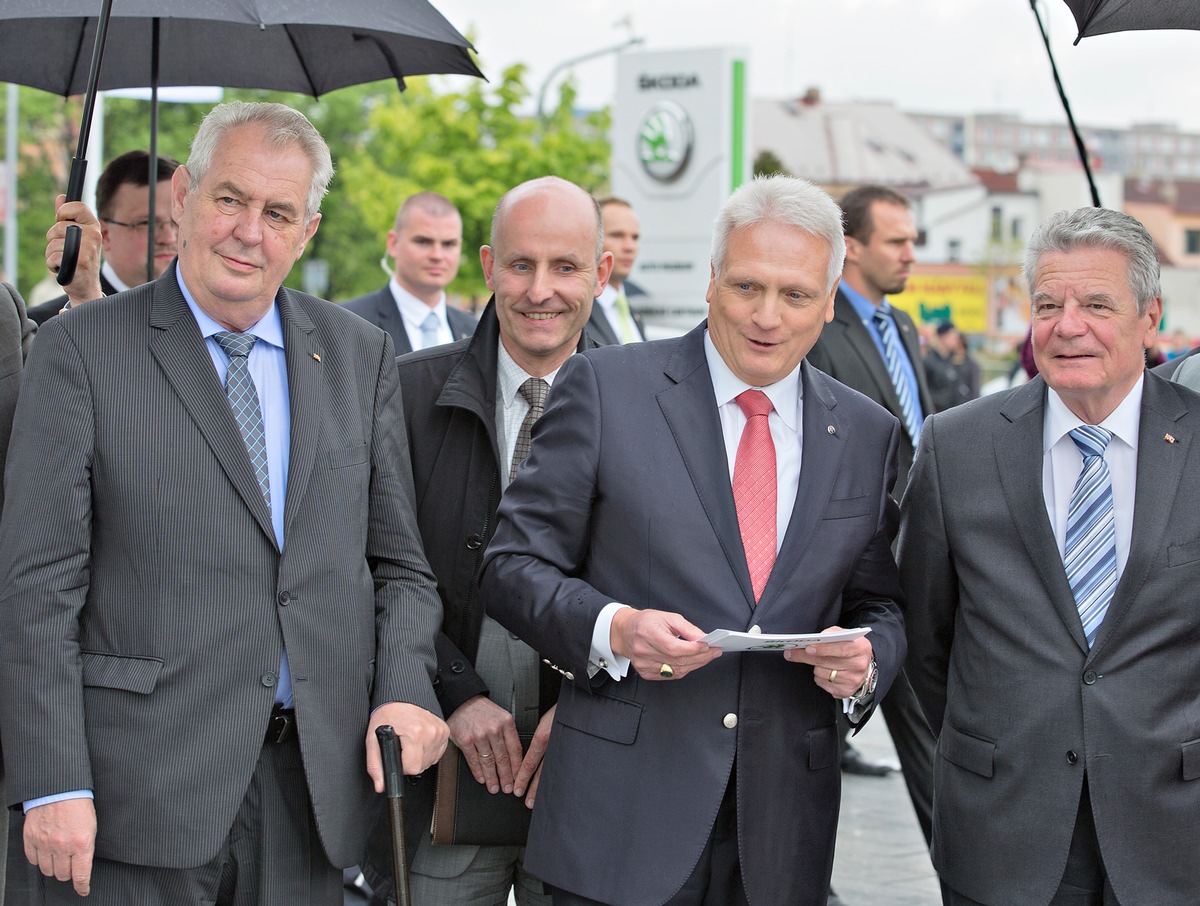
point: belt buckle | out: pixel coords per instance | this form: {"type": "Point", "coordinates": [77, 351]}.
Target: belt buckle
{"type": "Point", "coordinates": [281, 727]}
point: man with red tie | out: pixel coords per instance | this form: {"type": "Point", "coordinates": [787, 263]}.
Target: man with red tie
{"type": "Point", "coordinates": [676, 487]}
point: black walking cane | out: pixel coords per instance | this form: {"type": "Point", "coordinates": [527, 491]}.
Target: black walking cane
{"type": "Point", "coordinates": [393, 784]}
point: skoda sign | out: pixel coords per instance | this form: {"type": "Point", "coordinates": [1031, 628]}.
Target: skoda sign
{"type": "Point", "coordinates": [666, 139]}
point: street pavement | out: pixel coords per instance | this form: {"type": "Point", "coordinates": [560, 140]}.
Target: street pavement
{"type": "Point", "coordinates": [881, 859]}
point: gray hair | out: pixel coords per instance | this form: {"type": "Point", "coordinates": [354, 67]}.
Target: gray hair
{"type": "Point", "coordinates": [285, 128]}
{"type": "Point", "coordinates": [786, 200]}
{"type": "Point", "coordinates": [543, 183]}
{"type": "Point", "coordinates": [1100, 228]}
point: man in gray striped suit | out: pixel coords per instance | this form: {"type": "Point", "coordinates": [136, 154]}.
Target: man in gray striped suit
{"type": "Point", "coordinates": [221, 592]}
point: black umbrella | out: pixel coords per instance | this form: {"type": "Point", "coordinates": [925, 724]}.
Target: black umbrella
{"type": "Point", "coordinates": [307, 46]}
{"type": "Point", "coordinates": [1102, 17]}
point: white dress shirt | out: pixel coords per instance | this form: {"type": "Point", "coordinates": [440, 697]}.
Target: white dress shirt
{"type": "Point", "coordinates": [1062, 463]}
{"type": "Point", "coordinates": [607, 300]}
{"type": "Point", "coordinates": [414, 312]}
{"type": "Point", "coordinates": [787, 431]}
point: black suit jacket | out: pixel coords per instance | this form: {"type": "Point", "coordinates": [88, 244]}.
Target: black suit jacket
{"type": "Point", "coordinates": [847, 352]}
{"type": "Point", "coordinates": [602, 332]}
{"type": "Point", "coordinates": [626, 496]}
{"type": "Point", "coordinates": [380, 309]}
{"type": "Point", "coordinates": [39, 314]}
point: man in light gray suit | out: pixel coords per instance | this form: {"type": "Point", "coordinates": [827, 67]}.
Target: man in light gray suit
{"type": "Point", "coordinates": [1050, 554]}
{"type": "Point", "coordinates": [222, 592]}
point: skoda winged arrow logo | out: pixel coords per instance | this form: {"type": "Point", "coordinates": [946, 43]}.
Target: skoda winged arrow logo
{"type": "Point", "coordinates": [665, 141]}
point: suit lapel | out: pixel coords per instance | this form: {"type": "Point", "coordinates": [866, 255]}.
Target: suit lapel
{"type": "Point", "coordinates": [1159, 474]}
{"type": "Point", "coordinates": [1017, 447]}
{"type": "Point", "coordinates": [181, 353]}
{"type": "Point", "coordinates": [859, 339]}
{"type": "Point", "coordinates": [601, 330]}
{"type": "Point", "coordinates": [690, 409]}
{"type": "Point", "coordinates": [821, 458]}
{"type": "Point", "coordinates": [306, 384]}
{"type": "Point", "coordinates": [391, 321]}
{"type": "Point", "coordinates": [912, 346]}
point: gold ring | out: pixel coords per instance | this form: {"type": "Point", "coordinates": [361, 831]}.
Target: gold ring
{"type": "Point", "coordinates": [832, 675]}
{"type": "Point", "coordinates": [665, 671]}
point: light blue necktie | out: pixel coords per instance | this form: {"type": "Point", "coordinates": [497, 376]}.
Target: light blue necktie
{"type": "Point", "coordinates": [892, 351]}
{"type": "Point", "coordinates": [243, 400]}
{"type": "Point", "coordinates": [1090, 552]}
{"type": "Point", "coordinates": [429, 331]}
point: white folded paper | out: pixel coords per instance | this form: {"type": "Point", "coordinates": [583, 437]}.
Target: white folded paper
{"type": "Point", "coordinates": [730, 640]}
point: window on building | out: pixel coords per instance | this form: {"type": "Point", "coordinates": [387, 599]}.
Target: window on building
{"type": "Point", "coordinates": [997, 224]}
{"type": "Point", "coordinates": [1016, 228]}
{"type": "Point", "coordinates": [953, 250]}
{"type": "Point", "coordinates": [1191, 240]}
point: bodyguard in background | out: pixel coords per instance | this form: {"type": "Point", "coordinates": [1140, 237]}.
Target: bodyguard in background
{"type": "Point", "coordinates": [426, 245]}
{"type": "Point", "coordinates": [613, 319]}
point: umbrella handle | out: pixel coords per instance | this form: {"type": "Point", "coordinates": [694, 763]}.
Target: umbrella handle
{"type": "Point", "coordinates": [74, 238]}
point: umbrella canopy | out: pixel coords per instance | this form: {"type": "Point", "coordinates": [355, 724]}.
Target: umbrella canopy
{"type": "Point", "coordinates": [308, 46]}
{"type": "Point", "coordinates": [1102, 17]}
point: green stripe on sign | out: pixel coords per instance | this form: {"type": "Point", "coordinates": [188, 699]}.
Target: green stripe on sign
{"type": "Point", "coordinates": [738, 151]}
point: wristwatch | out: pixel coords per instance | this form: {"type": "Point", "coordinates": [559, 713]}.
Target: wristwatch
{"type": "Point", "coordinates": [867, 689]}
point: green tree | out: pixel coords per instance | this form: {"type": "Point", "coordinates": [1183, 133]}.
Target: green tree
{"type": "Point", "coordinates": [470, 145]}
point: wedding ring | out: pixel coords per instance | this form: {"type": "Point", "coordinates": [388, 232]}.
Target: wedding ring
{"type": "Point", "coordinates": [832, 675]}
{"type": "Point", "coordinates": [485, 755]}
{"type": "Point", "coordinates": [665, 671]}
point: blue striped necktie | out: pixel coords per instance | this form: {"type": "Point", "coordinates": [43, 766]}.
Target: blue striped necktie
{"type": "Point", "coordinates": [892, 351]}
{"type": "Point", "coordinates": [1090, 551]}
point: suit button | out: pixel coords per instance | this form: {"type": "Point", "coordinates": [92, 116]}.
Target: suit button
{"type": "Point", "coordinates": [474, 542]}
{"type": "Point", "coordinates": [1089, 677]}
{"type": "Point", "coordinates": [1072, 758]}
{"type": "Point", "coordinates": [756, 630]}
{"type": "Point", "coordinates": [457, 666]}
{"type": "Point", "coordinates": [268, 679]}
{"type": "Point", "coordinates": [730, 721]}
{"type": "Point", "coordinates": [284, 598]}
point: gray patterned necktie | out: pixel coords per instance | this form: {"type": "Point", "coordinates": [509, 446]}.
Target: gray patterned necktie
{"type": "Point", "coordinates": [535, 390]}
{"type": "Point", "coordinates": [243, 401]}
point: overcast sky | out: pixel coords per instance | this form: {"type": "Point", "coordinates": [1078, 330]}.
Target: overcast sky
{"type": "Point", "coordinates": [952, 56]}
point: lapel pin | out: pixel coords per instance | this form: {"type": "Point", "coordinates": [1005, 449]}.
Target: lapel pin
{"type": "Point", "coordinates": [316, 357]}
{"type": "Point", "coordinates": [1169, 438]}
{"type": "Point", "coordinates": [831, 429]}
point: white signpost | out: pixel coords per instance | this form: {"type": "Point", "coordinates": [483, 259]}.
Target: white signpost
{"type": "Point", "coordinates": [680, 140]}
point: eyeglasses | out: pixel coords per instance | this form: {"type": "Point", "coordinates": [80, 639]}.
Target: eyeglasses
{"type": "Point", "coordinates": [141, 226]}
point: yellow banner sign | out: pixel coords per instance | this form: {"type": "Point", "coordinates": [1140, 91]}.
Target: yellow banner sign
{"type": "Point", "coordinates": [932, 299]}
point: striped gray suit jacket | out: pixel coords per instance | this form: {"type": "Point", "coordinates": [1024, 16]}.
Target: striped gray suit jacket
{"type": "Point", "coordinates": [143, 603]}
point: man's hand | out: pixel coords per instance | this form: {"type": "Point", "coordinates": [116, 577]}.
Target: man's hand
{"type": "Point", "coordinates": [85, 286]}
{"type": "Point", "coordinates": [486, 734]}
{"type": "Point", "coordinates": [850, 660]}
{"type": "Point", "coordinates": [531, 768]}
{"type": "Point", "coordinates": [652, 638]}
{"type": "Point", "coordinates": [422, 736]}
{"type": "Point", "coordinates": [60, 839]}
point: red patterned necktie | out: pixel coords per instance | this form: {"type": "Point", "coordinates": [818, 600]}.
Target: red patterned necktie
{"type": "Point", "coordinates": [755, 489]}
